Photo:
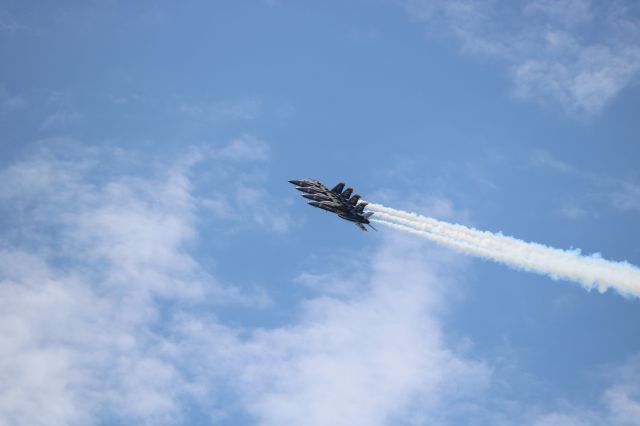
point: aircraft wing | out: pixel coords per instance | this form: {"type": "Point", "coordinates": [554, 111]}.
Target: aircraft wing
{"type": "Point", "coordinates": [326, 196]}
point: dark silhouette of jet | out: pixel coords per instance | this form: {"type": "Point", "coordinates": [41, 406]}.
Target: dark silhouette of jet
{"type": "Point", "coordinates": [337, 200]}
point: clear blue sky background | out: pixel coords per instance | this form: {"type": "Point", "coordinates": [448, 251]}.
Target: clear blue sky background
{"type": "Point", "coordinates": [157, 268]}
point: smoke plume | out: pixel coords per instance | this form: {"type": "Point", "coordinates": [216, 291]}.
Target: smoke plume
{"type": "Point", "coordinates": [590, 271]}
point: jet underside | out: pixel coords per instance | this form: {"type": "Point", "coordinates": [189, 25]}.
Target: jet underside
{"type": "Point", "coordinates": [337, 200]}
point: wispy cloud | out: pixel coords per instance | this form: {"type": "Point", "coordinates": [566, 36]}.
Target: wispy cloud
{"type": "Point", "coordinates": [60, 119]}
{"type": "Point", "coordinates": [627, 197]}
{"type": "Point", "coordinates": [59, 111]}
{"type": "Point", "coordinates": [619, 403]}
{"type": "Point", "coordinates": [572, 211]}
{"type": "Point", "coordinates": [239, 109]}
{"type": "Point", "coordinates": [11, 101]}
{"type": "Point", "coordinates": [125, 99]}
{"type": "Point", "coordinates": [544, 159]}
{"type": "Point", "coordinates": [619, 193]}
{"type": "Point", "coordinates": [246, 148]}
{"type": "Point", "coordinates": [244, 194]}
{"type": "Point", "coordinates": [9, 24]}
{"type": "Point", "coordinates": [577, 54]}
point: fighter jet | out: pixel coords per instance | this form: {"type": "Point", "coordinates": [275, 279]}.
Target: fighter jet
{"type": "Point", "coordinates": [337, 200]}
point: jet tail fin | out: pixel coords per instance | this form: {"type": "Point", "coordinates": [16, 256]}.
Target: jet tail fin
{"type": "Point", "coordinates": [338, 188]}
{"type": "Point", "coordinates": [360, 207]}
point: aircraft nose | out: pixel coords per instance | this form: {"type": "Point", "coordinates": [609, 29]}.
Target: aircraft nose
{"type": "Point", "coordinates": [295, 182]}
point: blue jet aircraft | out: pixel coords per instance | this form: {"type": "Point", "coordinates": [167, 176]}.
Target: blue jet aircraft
{"type": "Point", "coordinates": [335, 201]}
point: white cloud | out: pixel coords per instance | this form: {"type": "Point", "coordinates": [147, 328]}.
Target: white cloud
{"type": "Point", "coordinates": [574, 53]}
{"type": "Point", "coordinates": [623, 408]}
{"type": "Point", "coordinates": [82, 335]}
{"type": "Point", "coordinates": [78, 342]}
{"type": "Point", "coordinates": [110, 317]}
{"type": "Point", "coordinates": [620, 402]}
{"type": "Point", "coordinates": [561, 419]}
{"type": "Point", "coordinates": [104, 320]}
{"type": "Point", "coordinates": [366, 359]}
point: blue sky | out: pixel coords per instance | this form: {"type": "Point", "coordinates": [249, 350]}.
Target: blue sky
{"type": "Point", "coordinates": [157, 268]}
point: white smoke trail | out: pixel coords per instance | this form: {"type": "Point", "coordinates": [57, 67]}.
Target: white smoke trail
{"type": "Point", "coordinates": [590, 271]}
{"type": "Point", "coordinates": [482, 238]}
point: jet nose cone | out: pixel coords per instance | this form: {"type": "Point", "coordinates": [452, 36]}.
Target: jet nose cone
{"type": "Point", "coordinates": [296, 182]}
